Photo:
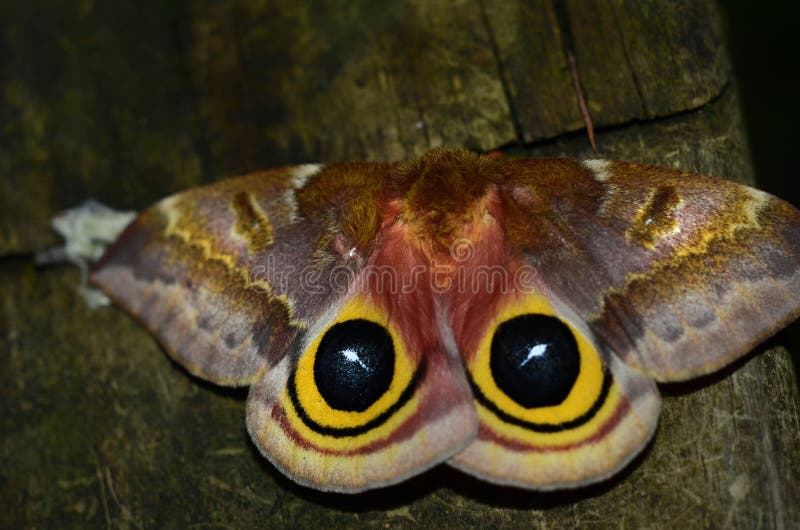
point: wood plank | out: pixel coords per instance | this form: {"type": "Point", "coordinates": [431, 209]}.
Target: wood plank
{"type": "Point", "coordinates": [531, 52]}
{"type": "Point", "coordinates": [367, 81]}
{"type": "Point", "coordinates": [139, 100]}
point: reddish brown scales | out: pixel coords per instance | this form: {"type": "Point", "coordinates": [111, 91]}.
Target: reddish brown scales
{"type": "Point", "coordinates": [350, 194]}
{"type": "Point", "coordinates": [442, 193]}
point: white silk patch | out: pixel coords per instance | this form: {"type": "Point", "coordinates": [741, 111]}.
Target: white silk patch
{"type": "Point", "coordinates": [87, 230]}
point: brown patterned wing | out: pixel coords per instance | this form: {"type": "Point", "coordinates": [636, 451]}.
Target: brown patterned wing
{"type": "Point", "coordinates": [678, 274]}
{"type": "Point", "coordinates": [227, 275]}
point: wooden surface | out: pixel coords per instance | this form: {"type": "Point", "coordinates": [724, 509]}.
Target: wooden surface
{"type": "Point", "coordinates": [127, 102]}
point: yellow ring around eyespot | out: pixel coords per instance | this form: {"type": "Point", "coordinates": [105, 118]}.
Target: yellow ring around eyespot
{"type": "Point", "coordinates": [312, 402]}
{"type": "Point", "coordinates": [554, 439]}
{"type": "Point", "coordinates": [348, 443]}
{"type": "Point", "coordinates": [580, 399]}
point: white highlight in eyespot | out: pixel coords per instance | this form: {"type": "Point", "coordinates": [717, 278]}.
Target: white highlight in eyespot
{"type": "Point", "coordinates": [352, 356]}
{"type": "Point", "coordinates": [600, 168]}
{"type": "Point", "coordinates": [537, 351]}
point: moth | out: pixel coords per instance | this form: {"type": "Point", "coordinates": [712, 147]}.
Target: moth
{"type": "Point", "coordinates": [508, 317]}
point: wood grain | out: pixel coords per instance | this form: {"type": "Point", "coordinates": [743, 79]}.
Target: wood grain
{"type": "Point", "coordinates": [138, 101]}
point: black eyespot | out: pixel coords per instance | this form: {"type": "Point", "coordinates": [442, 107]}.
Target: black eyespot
{"type": "Point", "coordinates": [354, 364]}
{"type": "Point", "coordinates": [535, 360]}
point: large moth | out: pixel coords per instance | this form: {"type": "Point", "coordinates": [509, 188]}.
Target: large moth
{"type": "Point", "coordinates": [508, 317]}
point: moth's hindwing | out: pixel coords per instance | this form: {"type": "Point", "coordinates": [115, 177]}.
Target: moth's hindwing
{"type": "Point", "coordinates": [365, 403]}
{"type": "Point", "coordinates": [553, 409]}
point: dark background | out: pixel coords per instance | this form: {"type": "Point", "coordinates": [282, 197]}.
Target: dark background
{"type": "Point", "coordinates": [764, 42]}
